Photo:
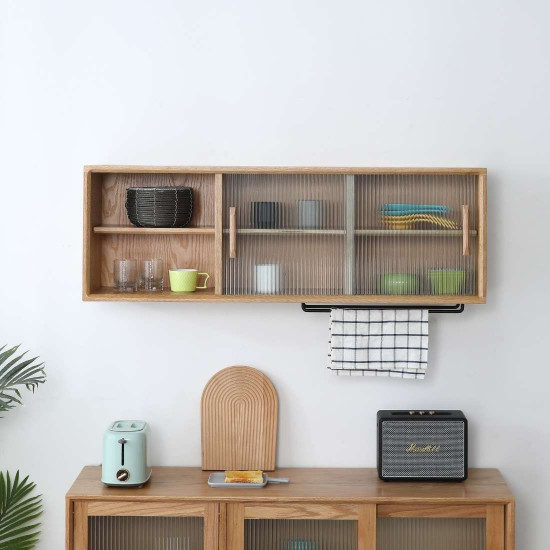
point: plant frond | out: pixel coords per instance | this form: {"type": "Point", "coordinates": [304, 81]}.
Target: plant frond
{"type": "Point", "coordinates": [16, 373]}
{"type": "Point", "coordinates": [18, 513]}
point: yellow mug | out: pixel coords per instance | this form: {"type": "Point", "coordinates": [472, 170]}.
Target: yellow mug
{"type": "Point", "coordinates": [185, 280]}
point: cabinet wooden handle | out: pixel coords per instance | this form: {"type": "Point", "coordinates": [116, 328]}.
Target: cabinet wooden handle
{"type": "Point", "coordinates": [465, 230]}
{"type": "Point", "coordinates": [232, 232]}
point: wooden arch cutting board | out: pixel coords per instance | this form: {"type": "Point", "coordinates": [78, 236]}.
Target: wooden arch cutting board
{"type": "Point", "coordinates": [239, 410]}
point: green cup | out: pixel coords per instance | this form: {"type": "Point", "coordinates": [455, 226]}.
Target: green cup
{"type": "Point", "coordinates": [399, 283]}
{"type": "Point", "coordinates": [447, 281]}
{"type": "Point", "coordinates": [185, 280]}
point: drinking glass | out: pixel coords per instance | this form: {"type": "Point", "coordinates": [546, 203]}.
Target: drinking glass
{"type": "Point", "coordinates": [152, 275]}
{"type": "Point", "coordinates": [125, 275]}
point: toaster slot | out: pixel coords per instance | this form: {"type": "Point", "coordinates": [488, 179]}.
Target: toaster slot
{"type": "Point", "coordinates": [122, 443]}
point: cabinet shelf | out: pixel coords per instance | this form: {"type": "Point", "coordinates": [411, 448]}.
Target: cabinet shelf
{"type": "Point", "coordinates": [412, 232]}
{"type": "Point", "coordinates": [358, 232]}
{"type": "Point", "coordinates": [319, 232]}
{"type": "Point", "coordinates": [112, 295]}
{"type": "Point", "coordinates": [126, 230]}
{"type": "Point", "coordinates": [108, 294]}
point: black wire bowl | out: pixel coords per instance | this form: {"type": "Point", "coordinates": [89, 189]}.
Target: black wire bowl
{"type": "Point", "coordinates": [159, 206]}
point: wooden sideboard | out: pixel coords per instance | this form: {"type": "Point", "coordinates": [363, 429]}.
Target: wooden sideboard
{"type": "Point", "coordinates": [320, 509]}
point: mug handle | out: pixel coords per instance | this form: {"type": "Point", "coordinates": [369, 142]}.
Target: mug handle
{"type": "Point", "coordinates": [207, 277]}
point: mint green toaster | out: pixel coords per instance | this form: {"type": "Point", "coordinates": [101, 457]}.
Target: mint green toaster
{"type": "Point", "coordinates": [125, 454]}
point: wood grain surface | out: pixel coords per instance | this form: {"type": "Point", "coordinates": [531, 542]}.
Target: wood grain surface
{"type": "Point", "coordinates": [431, 511]}
{"type": "Point", "coordinates": [301, 511]}
{"type": "Point", "coordinates": [314, 485]}
{"type": "Point", "coordinates": [239, 408]}
{"type": "Point", "coordinates": [149, 509]}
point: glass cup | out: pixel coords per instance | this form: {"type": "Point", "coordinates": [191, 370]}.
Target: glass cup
{"type": "Point", "coordinates": [125, 275]}
{"type": "Point", "coordinates": [151, 275]}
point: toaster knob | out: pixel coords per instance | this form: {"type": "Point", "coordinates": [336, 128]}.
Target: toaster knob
{"type": "Point", "coordinates": [123, 475]}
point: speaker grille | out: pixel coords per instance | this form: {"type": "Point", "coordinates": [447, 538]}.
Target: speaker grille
{"type": "Point", "coordinates": [398, 436]}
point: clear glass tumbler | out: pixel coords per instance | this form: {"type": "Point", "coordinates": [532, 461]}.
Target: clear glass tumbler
{"type": "Point", "coordinates": [151, 275]}
{"type": "Point", "coordinates": [125, 275]}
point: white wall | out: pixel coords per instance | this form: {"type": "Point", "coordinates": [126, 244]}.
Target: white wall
{"type": "Point", "coordinates": [425, 83]}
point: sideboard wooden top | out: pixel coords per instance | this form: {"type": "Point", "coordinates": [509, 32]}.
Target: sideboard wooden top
{"type": "Point", "coordinates": [484, 485]}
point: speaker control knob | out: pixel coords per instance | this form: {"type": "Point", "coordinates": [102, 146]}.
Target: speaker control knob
{"type": "Point", "coordinates": [123, 475]}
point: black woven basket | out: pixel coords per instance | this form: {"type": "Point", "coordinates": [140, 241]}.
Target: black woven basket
{"type": "Point", "coordinates": [159, 206]}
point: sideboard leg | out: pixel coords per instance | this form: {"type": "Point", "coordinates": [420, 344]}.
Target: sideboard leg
{"type": "Point", "coordinates": [235, 526]}
{"type": "Point", "coordinates": [80, 529]}
{"type": "Point", "coordinates": [494, 527]}
{"type": "Point", "coordinates": [366, 528]}
{"type": "Point", "coordinates": [510, 526]}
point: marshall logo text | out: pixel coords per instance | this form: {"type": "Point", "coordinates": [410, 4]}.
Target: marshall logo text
{"type": "Point", "coordinates": [414, 448]}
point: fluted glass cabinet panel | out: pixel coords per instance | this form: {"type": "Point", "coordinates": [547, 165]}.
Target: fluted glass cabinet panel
{"type": "Point", "coordinates": [145, 533]}
{"type": "Point", "coordinates": [416, 234]}
{"type": "Point", "coordinates": [300, 534]}
{"type": "Point", "coordinates": [289, 234]}
{"type": "Point", "coordinates": [430, 534]}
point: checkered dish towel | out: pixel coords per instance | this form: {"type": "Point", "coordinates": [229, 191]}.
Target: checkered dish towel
{"type": "Point", "coordinates": [388, 342]}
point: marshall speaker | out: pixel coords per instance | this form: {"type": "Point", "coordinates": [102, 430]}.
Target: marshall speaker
{"type": "Point", "coordinates": [422, 446]}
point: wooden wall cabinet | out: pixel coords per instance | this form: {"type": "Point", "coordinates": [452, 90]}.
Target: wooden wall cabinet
{"type": "Point", "coordinates": [321, 509]}
{"type": "Point", "coordinates": [324, 235]}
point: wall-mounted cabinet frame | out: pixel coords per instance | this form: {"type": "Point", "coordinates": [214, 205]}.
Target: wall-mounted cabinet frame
{"type": "Point", "coordinates": [324, 235]}
{"type": "Point", "coordinates": [320, 509]}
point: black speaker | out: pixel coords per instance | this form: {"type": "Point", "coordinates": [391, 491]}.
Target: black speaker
{"type": "Point", "coordinates": [422, 446]}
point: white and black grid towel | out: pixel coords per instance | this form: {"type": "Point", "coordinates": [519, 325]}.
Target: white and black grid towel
{"type": "Point", "coordinates": [389, 342]}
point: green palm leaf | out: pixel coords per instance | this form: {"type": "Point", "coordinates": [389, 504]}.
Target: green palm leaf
{"type": "Point", "coordinates": [16, 372]}
{"type": "Point", "coordinates": [18, 512]}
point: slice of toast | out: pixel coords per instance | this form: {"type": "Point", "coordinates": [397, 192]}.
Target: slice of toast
{"type": "Point", "coordinates": [244, 476]}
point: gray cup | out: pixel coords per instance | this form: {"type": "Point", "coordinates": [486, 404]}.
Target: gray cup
{"type": "Point", "coordinates": [310, 214]}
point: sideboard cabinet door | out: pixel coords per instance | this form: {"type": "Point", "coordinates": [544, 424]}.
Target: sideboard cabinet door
{"type": "Point", "coordinates": [432, 527]}
{"type": "Point", "coordinates": [301, 526]}
{"type": "Point", "coordinates": [144, 526]}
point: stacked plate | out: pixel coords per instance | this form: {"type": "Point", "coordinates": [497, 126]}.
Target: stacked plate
{"type": "Point", "coordinates": [159, 206]}
{"type": "Point", "coordinates": [406, 215]}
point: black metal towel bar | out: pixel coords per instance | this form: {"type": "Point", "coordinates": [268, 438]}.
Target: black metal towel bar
{"type": "Point", "coordinates": [325, 308]}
